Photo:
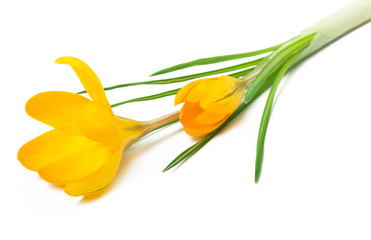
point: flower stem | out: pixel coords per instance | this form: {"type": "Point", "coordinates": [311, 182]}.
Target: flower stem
{"type": "Point", "coordinates": [163, 121]}
{"type": "Point", "coordinates": [336, 25]}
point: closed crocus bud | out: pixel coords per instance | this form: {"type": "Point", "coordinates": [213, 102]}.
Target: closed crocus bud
{"type": "Point", "coordinates": [208, 103]}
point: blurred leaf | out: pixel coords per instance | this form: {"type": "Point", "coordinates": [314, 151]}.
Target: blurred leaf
{"type": "Point", "coordinates": [150, 97]}
{"type": "Point", "coordinates": [188, 77]}
{"type": "Point", "coordinates": [217, 59]}
{"type": "Point", "coordinates": [171, 92]}
{"type": "Point", "coordinates": [266, 115]}
{"type": "Point", "coordinates": [277, 59]}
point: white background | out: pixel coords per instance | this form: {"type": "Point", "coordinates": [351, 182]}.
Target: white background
{"type": "Point", "coordinates": [316, 179]}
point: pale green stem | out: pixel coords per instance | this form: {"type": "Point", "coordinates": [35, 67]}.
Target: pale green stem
{"type": "Point", "coordinates": [336, 25]}
{"type": "Point", "coordinates": [162, 121]}
{"type": "Point", "coordinates": [327, 30]}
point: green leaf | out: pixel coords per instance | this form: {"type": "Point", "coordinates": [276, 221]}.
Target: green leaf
{"type": "Point", "coordinates": [270, 73]}
{"type": "Point", "coordinates": [196, 147]}
{"type": "Point", "coordinates": [172, 92]}
{"type": "Point", "coordinates": [241, 73]}
{"type": "Point", "coordinates": [188, 77]}
{"type": "Point", "coordinates": [184, 155]}
{"type": "Point", "coordinates": [276, 60]}
{"type": "Point", "coordinates": [217, 59]}
{"type": "Point", "coordinates": [266, 115]}
{"type": "Point", "coordinates": [147, 98]}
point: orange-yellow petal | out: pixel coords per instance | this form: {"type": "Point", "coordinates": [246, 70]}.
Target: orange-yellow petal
{"type": "Point", "coordinates": [204, 130]}
{"type": "Point", "coordinates": [182, 93]}
{"type": "Point", "coordinates": [200, 90]}
{"type": "Point", "coordinates": [76, 165]}
{"type": "Point", "coordinates": [88, 78]}
{"type": "Point", "coordinates": [48, 148]}
{"type": "Point", "coordinates": [201, 131]}
{"type": "Point", "coordinates": [188, 114]}
{"type": "Point", "coordinates": [57, 109]}
{"type": "Point", "coordinates": [98, 124]}
{"type": "Point", "coordinates": [97, 180]}
{"type": "Point", "coordinates": [225, 106]}
{"type": "Point", "coordinates": [206, 118]}
{"type": "Point", "coordinates": [224, 96]}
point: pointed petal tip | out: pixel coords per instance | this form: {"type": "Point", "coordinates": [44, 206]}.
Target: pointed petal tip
{"type": "Point", "coordinates": [21, 157]}
{"type": "Point", "coordinates": [44, 176]}
{"type": "Point", "coordinates": [60, 60]}
{"type": "Point", "coordinates": [177, 101]}
{"type": "Point", "coordinates": [20, 154]}
{"type": "Point", "coordinates": [65, 60]}
{"type": "Point", "coordinates": [92, 194]}
{"type": "Point", "coordinates": [32, 106]}
{"type": "Point", "coordinates": [72, 193]}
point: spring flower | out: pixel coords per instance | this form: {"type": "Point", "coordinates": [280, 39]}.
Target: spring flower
{"type": "Point", "coordinates": [83, 151]}
{"type": "Point", "coordinates": [208, 103]}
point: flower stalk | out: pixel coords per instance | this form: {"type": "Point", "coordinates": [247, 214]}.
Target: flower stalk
{"type": "Point", "coordinates": [336, 25]}
{"type": "Point", "coordinates": [161, 122]}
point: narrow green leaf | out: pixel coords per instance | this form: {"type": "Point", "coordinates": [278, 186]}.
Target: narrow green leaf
{"type": "Point", "coordinates": [188, 77]}
{"type": "Point", "coordinates": [266, 115]}
{"type": "Point", "coordinates": [241, 73]}
{"type": "Point", "coordinates": [277, 59]}
{"type": "Point", "coordinates": [172, 92]}
{"type": "Point", "coordinates": [184, 155]}
{"type": "Point", "coordinates": [147, 98]}
{"type": "Point", "coordinates": [196, 147]}
{"type": "Point", "coordinates": [217, 59]}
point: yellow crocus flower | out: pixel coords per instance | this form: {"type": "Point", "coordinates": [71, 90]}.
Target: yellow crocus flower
{"type": "Point", "coordinates": [208, 103]}
{"type": "Point", "coordinates": [83, 151]}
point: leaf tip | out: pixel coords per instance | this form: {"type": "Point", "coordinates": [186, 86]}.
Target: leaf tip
{"type": "Point", "coordinates": [166, 169]}
{"type": "Point", "coordinates": [247, 98]}
{"type": "Point", "coordinates": [155, 74]}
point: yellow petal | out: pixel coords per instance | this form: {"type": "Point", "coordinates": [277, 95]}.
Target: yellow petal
{"type": "Point", "coordinates": [126, 123]}
{"type": "Point", "coordinates": [225, 106]}
{"type": "Point", "coordinates": [223, 96]}
{"type": "Point", "coordinates": [206, 118]}
{"type": "Point", "coordinates": [130, 130]}
{"type": "Point", "coordinates": [57, 109]}
{"type": "Point", "coordinates": [181, 95]}
{"type": "Point", "coordinates": [188, 114]}
{"type": "Point", "coordinates": [200, 90]}
{"type": "Point", "coordinates": [201, 131]}
{"type": "Point", "coordinates": [76, 165]}
{"type": "Point", "coordinates": [98, 124]}
{"type": "Point", "coordinates": [98, 180]}
{"type": "Point", "coordinates": [88, 78]}
{"type": "Point", "coordinates": [48, 148]}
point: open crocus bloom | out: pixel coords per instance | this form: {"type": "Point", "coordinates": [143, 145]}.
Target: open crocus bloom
{"type": "Point", "coordinates": [83, 151]}
{"type": "Point", "coordinates": [208, 103]}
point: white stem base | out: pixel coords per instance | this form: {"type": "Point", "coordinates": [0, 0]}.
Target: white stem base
{"type": "Point", "coordinates": [336, 25]}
